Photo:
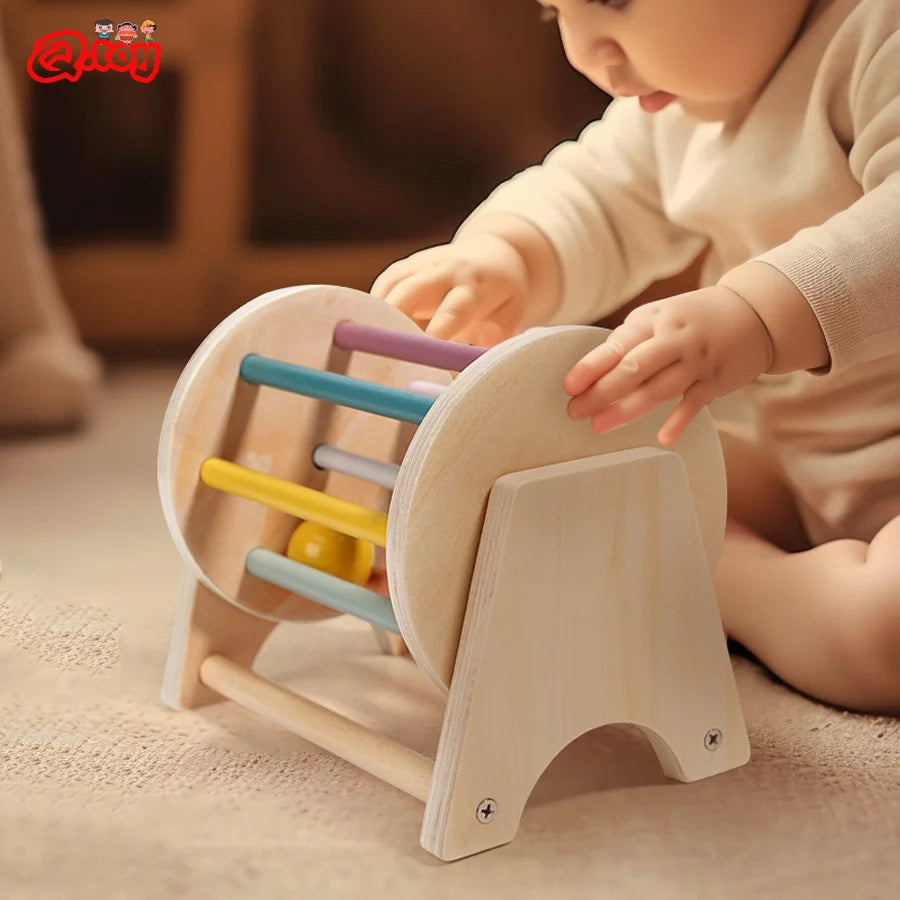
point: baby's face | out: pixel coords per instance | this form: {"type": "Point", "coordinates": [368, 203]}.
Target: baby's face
{"type": "Point", "coordinates": [713, 56]}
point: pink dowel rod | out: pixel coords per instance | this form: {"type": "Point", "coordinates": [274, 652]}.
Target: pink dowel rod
{"type": "Point", "coordinates": [410, 347]}
{"type": "Point", "coordinates": [428, 388]}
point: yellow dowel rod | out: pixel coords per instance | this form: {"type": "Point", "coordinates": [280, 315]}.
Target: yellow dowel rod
{"type": "Point", "coordinates": [296, 500]}
{"type": "Point", "coordinates": [379, 755]}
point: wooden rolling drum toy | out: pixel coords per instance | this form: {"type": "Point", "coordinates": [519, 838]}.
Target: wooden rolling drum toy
{"type": "Point", "coordinates": [552, 580]}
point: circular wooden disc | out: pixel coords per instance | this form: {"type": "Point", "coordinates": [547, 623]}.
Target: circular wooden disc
{"type": "Point", "coordinates": [506, 412]}
{"type": "Point", "coordinates": [214, 413]}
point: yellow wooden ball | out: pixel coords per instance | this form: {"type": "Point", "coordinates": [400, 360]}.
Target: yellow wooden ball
{"type": "Point", "coordinates": [330, 551]}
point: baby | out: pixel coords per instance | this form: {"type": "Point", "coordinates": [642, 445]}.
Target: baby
{"type": "Point", "coordinates": [764, 134]}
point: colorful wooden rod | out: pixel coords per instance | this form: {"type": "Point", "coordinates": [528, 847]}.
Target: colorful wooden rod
{"type": "Point", "coordinates": [393, 403]}
{"type": "Point", "coordinates": [335, 593]}
{"type": "Point", "coordinates": [296, 500]}
{"type": "Point", "coordinates": [411, 347]}
{"type": "Point", "coordinates": [428, 388]}
{"type": "Point", "coordinates": [336, 460]}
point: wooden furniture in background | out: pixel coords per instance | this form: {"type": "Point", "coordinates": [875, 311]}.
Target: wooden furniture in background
{"type": "Point", "coordinates": [281, 143]}
{"type": "Point", "coordinates": [48, 379]}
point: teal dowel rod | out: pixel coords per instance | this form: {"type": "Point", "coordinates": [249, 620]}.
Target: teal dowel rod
{"type": "Point", "coordinates": [393, 403]}
{"type": "Point", "coordinates": [326, 589]}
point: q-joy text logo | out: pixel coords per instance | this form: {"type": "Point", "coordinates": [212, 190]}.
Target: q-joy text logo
{"type": "Point", "coordinates": [64, 55]}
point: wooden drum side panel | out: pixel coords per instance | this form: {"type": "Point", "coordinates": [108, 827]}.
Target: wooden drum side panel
{"type": "Point", "coordinates": [214, 413]}
{"type": "Point", "coordinates": [505, 413]}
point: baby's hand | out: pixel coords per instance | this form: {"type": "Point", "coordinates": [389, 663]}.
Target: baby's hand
{"type": "Point", "coordinates": [700, 345]}
{"type": "Point", "coordinates": [472, 290]}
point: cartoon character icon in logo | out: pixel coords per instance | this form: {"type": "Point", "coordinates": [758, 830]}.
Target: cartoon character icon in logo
{"type": "Point", "coordinates": [104, 29]}
{"type": "Point", "coordinates": [148, 29]}
{"type": "Point", "coordinates": [127, 32]}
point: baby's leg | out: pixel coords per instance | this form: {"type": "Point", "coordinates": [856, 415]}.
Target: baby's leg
{"type": "Point", "coordinates": [758, 496]}
{"type": "Point", "coordinates": [826, 620]}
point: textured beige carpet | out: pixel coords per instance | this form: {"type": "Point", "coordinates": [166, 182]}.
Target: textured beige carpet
{"type": "Point", "coordinates": [105, 793]}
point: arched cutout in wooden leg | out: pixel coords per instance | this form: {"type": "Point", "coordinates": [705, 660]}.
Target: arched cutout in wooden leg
{"type": "Point", "coordinates": [591, 603]}
{"type": "Point", "coordinates": [205, 623]}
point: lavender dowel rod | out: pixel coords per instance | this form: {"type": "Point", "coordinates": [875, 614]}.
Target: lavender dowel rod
{"type": "Point", "coordinates": [410, 347]}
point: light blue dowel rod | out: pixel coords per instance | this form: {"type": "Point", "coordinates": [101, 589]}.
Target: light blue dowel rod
{"type": "Point", "coordinates": [353, 392]}
{"type": "Point", "coordinates": [326, 589]}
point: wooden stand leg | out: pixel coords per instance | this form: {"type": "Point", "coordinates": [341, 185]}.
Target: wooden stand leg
{"type": "Point", "coordinates": [205, 623]}
{"type": "Point", "coordinates": [591, 603]}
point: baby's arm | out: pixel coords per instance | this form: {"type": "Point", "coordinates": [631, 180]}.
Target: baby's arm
{"type": "Point", "coordinates": [590, 218]}
{"type": "Point", "coordinates": [696, 346]}
{"type": "Point", "coordinates": [825, 299]}
{"type": "Point", "coordinates": [501, 275]}
{"type": "Point", "coordinates": [848, 267]}
{"type": "Point", "coordinates": [798, 341]}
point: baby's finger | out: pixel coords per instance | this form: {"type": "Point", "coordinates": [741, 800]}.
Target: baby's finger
{"type": "Point", "coordinates": [501, 325]}
{"type": "Point", "coordinates": [602, 359]}
{"type": "Point", "coordinates": [390, 278]}
{"type": "Point", "coordinates": [459, 308]}
{"type": "Point", "coordinates": [507, 318]}
{"type": "Point", "coordinates": [637, 367]}
{"type": "Point", "coordinates": [695, 398]}
{"type": "Point", "coordinates": [483, 333]}
{"type": "Point", "coordinates": [664, 386]}
{"type": "Point", "coordinates": [418, 295]}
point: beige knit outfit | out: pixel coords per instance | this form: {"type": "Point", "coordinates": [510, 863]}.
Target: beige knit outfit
{"type": "Point", "coordinates": [808, 182]}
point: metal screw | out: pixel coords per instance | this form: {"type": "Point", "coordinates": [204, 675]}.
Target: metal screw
{"type": "Point", "coordinates": [486, 810]}
{"type": "Point", "coordinates": [713, 739]}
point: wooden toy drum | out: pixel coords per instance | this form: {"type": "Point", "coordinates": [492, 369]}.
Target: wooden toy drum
{"type": "Point", "coordinates": [415, 456]}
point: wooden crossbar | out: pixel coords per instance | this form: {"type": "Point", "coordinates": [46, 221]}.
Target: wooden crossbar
{"type": "Point", "coordinates": [411, 347]}
{"type": "Point", "coordinates": [330, 591]}
{"type": "Point", "coordinates": [381, 756]}
{"type": "Point", "coordinates": [325, 456]}
{"type": "Point", "coordinates": [295, 499]}
{"type": "Point", "coordinates": [393, 403]}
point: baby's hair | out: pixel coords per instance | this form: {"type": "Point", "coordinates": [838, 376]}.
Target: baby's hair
{"type": "Point", "coordinates": [103, 22]}
{"type": "Point", "coordinates": [147, 22]}
{"type": "Point", "coordinates": [127, 24]}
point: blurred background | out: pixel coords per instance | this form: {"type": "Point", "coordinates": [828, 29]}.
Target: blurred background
{"type": "Point", "coordinates": [281, 143]}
